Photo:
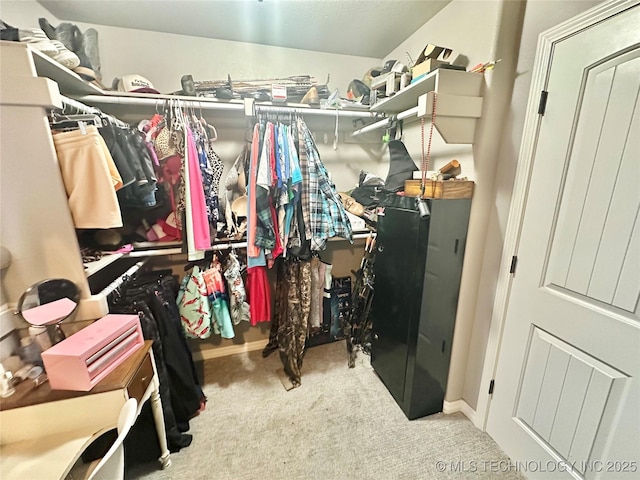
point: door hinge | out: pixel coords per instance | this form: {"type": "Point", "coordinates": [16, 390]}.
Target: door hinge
{"type": "Point", "coordinates": [542, 106]}
{"type": "Point", "coordinates": [491, 384]}
{"type": "Point", "coordinates": [514, 263]}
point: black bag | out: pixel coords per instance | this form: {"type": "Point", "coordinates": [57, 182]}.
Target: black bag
{"type": "Point", "coordinates": [401, 166]}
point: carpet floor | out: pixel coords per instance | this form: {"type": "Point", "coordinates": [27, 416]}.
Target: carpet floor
{"type": "Point", "coordinates": [341, 423]}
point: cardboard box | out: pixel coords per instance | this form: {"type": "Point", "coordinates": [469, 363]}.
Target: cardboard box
{"type": "Point", "coordinates": [430, 58]}
{"type": "Point", "coordinates": [425, 67]}
{"type": "Point", "coordinates": [439, 188]}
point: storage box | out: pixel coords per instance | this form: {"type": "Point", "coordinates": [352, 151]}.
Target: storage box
{"type": "Point", "coordinates": [439, 188]}
{"type": "Point", "coordinates": [426, 67]}
{"type": "Point", "coordinates": [86, 357]}
{"type": "Point", "coordinates": [430, 58]}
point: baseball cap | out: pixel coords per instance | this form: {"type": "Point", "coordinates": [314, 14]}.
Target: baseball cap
{"type": "Point", "coordinates": [134, 84]}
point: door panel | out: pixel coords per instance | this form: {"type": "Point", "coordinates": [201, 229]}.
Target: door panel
{"type": "Point", "coordinates": [599, 203]}
{"type": "Point", "coordinates": [564, 395]}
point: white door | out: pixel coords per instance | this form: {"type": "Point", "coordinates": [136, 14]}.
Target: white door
{"type": "Point", "coordinates": [566, 401]}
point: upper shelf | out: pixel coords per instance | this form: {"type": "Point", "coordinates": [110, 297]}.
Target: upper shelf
{"type": "Point", "coordinates": [452, 82]}
{"type": "Point", "coordinates": [69, 83]}
{"type": "Point", "coordinates": [451, 98]}
{"type": "Point", "coordinates": [131, 106]}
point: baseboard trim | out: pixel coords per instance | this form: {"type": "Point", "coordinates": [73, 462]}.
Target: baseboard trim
{"type": "Point", "coordinates": [459, 406]}
{"type": "Point", "coordinates": [227, 350]}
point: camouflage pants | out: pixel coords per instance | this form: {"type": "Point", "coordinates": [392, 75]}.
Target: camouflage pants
{"type": "Point", "coordinates": [291, 316]}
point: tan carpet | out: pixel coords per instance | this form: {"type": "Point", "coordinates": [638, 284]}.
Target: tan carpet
{"type": "Point", "coordinates": [339, 424]}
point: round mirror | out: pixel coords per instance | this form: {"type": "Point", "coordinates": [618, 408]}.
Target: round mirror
{"type": "Point", "coordinates": [49, 302]}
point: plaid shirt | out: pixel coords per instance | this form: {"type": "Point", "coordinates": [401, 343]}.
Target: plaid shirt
{"type": "Point", "coordinates": [326, 215]}
{"type": "Point", "coordinates": [305, 198]}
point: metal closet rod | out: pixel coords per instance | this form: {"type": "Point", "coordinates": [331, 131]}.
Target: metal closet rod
{"type": "Point", "coordinates": [80, 107]}
{"type": "Point", "coordinates": [383, 123]}
{"type": "Point", "coordinates": [125, 277]}
{"type": "Point", "coordinates": [224, 246]}
{"type": "Point", "coordinates": [315, 111]}
{"type": "Point", "coordinates": [159, 102]}
{"type": "Point", "coordinates": [208, 104]}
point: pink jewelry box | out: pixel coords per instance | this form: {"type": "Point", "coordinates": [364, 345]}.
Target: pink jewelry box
{"type": "Point", "coordinates": [86, 357]}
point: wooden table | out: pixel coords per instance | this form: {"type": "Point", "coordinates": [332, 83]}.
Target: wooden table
{"type": "Point", "coordinates": [43, 432]}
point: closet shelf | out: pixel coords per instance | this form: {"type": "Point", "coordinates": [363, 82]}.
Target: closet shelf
{"type": "Point", "coordinates": [455, 95]}
{"type": "Point", "coordinates": [141, 250]}
{"type": "Point", "coordinates": [120, 103]}
{"type": "Point", "coordinates": [69, 82]}
{"type": "Point", "coordinates": [91, 268]}
{"type": "Point", "coordinates": [151, 249]}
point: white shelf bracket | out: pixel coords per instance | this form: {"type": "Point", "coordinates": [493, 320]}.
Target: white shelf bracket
{"type": "Point", "coordinates": [249, 107]}
{"type": "Point", "coordinates": [456, 115]}
{"type": "Point", "coordinates": [449, 105]}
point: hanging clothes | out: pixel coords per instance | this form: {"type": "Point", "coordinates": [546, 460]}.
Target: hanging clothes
{"type": "Point", "coordinates": [211, 168]}
{"type": "Point", "coordinates": [152, 298]}
{"type": "Point", "coordinates": [240, 310]}
{"type": "Point", "coordinates": [218, 299]}
{"type": "Point", "coordinates": [253, 251]}
{"type": "Point", "coordinates": [197, 214]}
{"type": "Point", "coordinates": [236, 194]}
{"type": "Point", "coordinates": [294, 294]}
{"type": "Point", "coordinates": [280, 305]}
{"type": "Point", "coordinates": [317, 288]}
{"type": "Point", "coordinates": [90, 178]}
{"type": "Point", "coordinates": [190, 170]}
{"type": "Point", "coordinates": [258, 295]}
{"type": "Point", "coordinates": [265, 236]}
{"type": "Point", "coordinates": [193, 305]}
{"type": "Point", "coordinates": [326, 217]}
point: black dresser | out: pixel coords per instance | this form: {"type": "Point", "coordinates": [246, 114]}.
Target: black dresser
{"type": "Point", "coordinates": [417, 280]}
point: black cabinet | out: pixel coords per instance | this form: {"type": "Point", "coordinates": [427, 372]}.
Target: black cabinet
{"type": "Point", "coordinates": [417, 280]}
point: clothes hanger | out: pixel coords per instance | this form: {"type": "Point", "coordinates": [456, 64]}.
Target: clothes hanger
{"type": "Point", "coordinates": [73, 122]}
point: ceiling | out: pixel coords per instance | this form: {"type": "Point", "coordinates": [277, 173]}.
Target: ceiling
{"type": "Point", "coordinates": [368, 28]}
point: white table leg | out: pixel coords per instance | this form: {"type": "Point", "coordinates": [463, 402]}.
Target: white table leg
{"type": "Point", "coordinates": [158, 417]}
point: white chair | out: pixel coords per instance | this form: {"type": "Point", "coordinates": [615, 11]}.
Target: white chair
{"type": "Point", "coordinates": [111, 466]}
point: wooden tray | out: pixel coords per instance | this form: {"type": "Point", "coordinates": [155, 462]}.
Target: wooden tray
{"type": "Point", "coordinates": [439, 188]}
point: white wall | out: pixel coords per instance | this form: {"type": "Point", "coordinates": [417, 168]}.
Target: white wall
{"type": "Point", "coordinates": [24, 13]}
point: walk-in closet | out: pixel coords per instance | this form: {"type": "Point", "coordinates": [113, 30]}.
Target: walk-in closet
{"type": "Point", "coordinates": [277, 239]}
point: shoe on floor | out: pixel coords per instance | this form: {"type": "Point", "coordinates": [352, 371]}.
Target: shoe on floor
{"type": "Point", "coordinates": [38, 40]}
